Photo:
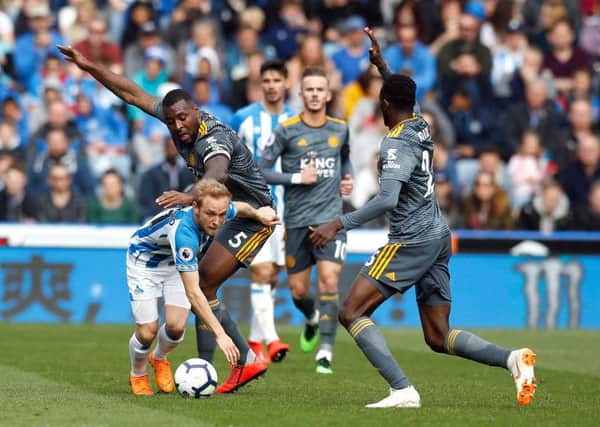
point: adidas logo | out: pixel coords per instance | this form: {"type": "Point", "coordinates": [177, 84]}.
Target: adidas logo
{"type": "Point", "coordinates": [391, 276]}
{"type": "Point", "coordinates": [325, 317]}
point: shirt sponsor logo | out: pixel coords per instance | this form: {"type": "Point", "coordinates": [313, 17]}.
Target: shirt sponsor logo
{"type": "Point", "coordinates": [392, 154]}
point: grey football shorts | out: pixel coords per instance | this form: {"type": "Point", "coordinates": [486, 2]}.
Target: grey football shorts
{"type": "Point", "coordinates": [301, 254]}
{"type": "Point", "coordinates": [396, 267]}
{"type": "Point", "coordinates": [244, 238]}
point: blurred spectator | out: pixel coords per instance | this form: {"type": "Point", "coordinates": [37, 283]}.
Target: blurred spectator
{"type": "Point", "coordinates": [239, 88]}
{"type": "Point", "coordinates": [589, 37]}
{"type": "Point", "coordinates": [10, 141]}
{"type": "Point", "coordinates": [139, 13]}
{"type": "Point", "coordinates": [537, 113]}
{"type": "Point", "coordinates": [202, 44]}
{"type": "Point", "coordinates": [587, 217]}
{"type": "Point", "coordinates": [581, 124]}
{"type": "Point", "coordinates": [74, 20]}
{"type": "Point", "coordinates": [411, 57]}
{"type": "Point", "coordinates": [60, 151]}
{"type": "Point", "coordinates": [447, 201]}
{"type": "Point", "coordinates": [547, 212]}
{"type": "Point", "coordinates": [352, 58]}
{"type": "Point", "coordinates": [527, 169]}
{"type": "Point", "coordinates": [409, 13]}
{"type": "Point", "coordinates": [564, 58]}
{"type": "Point", "coordinates": [169, 175]}
{"type": "Point", "coordinates": [97, 48]}
{"type": "Point", "coordinates": [112, 207]}
{"type": "Point", "coordinates": [577, 177]}
{"type": "Point", "coordinates": [361, 99]}
{"type": "Point", "coordinates": [328, 15]}
{"type": "Point", "coordinates": [487, 207]}
{"type": "Point", "coordinates": [498, 15]}
{"type": "Point", "coordinates": [16, 203]}
{"type": "Point", "coordinates": [529, 70]}
{"type": "Point", "coordinates": [185, 16]}
{"type": "Point", "coordinates": [445, 166]}
{"type": "Point", "coordinates": [35, 45]}
{"type": "Point", "coordinates": [202, 97]}
{"type": "Point", "coordinates": [60, 204]}
{"type": "Point", "coordinates": [440, 126]}
{"type": "Point", "coordinates": [465, 63]}
{"type": "Point", "coordinates": [540, 15]}
{"type": "Point", "coordinates": [473, 120]}
{"type": "Point", "coordinates": [148, 36]}
{"type": "Point", "coordinates": [12, 113]}
{"type": "Point", "coordinates": [284, 34]}
{"type": "Point", "coordinates": [246, 43]}
{"type": "Point", "coordinates": [365, 143]}
{"type": "Point", "coordinates": [149, 79]}
{"type": "Point", "coordinates": [489, 161]}
{"type": "Point", "coordinates": [582, 89]}
{"type": "Point", "coordinates": [107, 136]}
{"type": "Point", "coordinates": [507, 58]}
{"type": "Point", "coordinates": [311, 55]}
{"type": "Point", "coordinates": [448, 29]}
{"type": "Point", "coordinates": [59, 117]}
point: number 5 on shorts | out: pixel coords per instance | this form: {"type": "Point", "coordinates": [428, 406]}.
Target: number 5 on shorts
{"type": "Point", "coordinates": [237, 240]}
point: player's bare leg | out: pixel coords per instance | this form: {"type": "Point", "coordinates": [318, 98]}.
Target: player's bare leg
{"type": "Point", "coordinates": [262, 324]}
{"type": "Point", "coordinates": [328, 279]}
{"type": "Point", "coordinates": [139, 349]}
{"type": "Point", "coordinates": [170, 335]}
{"type": "Point", "coordinates": [354, 315]}
{"type": "Point", "coordinates": [300, 287]}
{"type": "Point", "coordinates": [442, 339]}
{"type": "Point", "coordinates": [217, 265]}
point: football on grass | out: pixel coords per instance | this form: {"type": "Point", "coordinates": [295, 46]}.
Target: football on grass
{"type": "Point", "coordinates": [196, 378]}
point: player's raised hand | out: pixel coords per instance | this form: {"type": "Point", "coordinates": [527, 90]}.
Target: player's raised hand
{"type": "Point", "coordinates": [346, 185]}
{"type": "Point", "coordinates": [73, 55]}
{"type": "Point", "coordinates": [309, 174]}
{"type": "Point", "coordinates": [171, 198]}
{"type": "Point", "coordinates": [231, 352]}
{"type": "Point", "coordinates": [322, 234]}
{"type": "Point", "coordinates": [374, 51]}
{"type": "Point", "coordinates": [266, 215]}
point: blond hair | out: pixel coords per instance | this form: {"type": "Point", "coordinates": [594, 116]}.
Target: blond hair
{"type": "Point", "coordinates": [209, 187]}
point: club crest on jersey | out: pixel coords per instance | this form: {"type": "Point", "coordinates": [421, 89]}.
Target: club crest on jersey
{"type": "Point", "coordinates": [333, 141]}
{"type": "Point", "coordinates": [192, 159]}
{"type": "Point", "coordinates": [186, 253]}
{"type": "Point", "coordinates": [203, 128]}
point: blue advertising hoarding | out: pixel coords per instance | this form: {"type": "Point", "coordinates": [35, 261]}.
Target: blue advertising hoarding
{"type": "Point", "coordinates": [488, 290]}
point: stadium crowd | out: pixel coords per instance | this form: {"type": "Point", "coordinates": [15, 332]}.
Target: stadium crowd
{"type": "Point", "coordinates": [510, 88]}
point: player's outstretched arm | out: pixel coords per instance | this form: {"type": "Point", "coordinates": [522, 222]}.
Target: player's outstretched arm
{"type": "Point", "coordinates": [191, 282]}
{"type": "Point", "coordinates": [375, 54]}
{"type": "Point", "coordinates": [384, 201]}
{"type": "Point", "coordinates": [266, 215]}
{"type": "Point", "coordinates": [121, 86]}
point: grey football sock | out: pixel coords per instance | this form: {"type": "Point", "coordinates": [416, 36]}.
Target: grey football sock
{"type": "Point", "coordinates": [470, 346]}
{"type": "Point", "coordinates": [206, 342]}
{"type": "Point", "coordinates": [306, 306]}
{"type": "Point", "coordinates": [372, 343]}
{"type": "Point", "coordinates": [328, 310]}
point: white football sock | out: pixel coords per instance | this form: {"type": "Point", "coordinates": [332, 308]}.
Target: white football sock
{"type": "Point", "coordinates": [138, 354]}
{"type": "Point", "coordinates": [324, 353]}
{"type": "Point", "coordinates": [165, 343]}
{"type": "Point", "coordinates": [263, 311]}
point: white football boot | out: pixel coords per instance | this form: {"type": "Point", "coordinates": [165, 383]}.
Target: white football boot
{"type": "Point", "coordinates": [520, 364]}
{"type": "Point", "coordinates": [404, 398]}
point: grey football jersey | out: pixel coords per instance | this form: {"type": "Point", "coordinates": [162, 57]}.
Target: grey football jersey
{"type": "Point", "coordinates": [299, 144]}
{"type": "Point", "coordinates": [405, 155]}
{"type": "Point", "coordinates": [245, 180]}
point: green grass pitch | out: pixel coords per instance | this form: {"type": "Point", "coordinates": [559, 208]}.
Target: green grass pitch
{"type": "Point", "coordinates": [61, 375]}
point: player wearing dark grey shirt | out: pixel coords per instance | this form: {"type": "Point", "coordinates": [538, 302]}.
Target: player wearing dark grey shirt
{"type": "Point", "coordinates": [213, 151]}
{"type": "Point", "coordinates": [417, 253]}
{"type": "Point", "coordinates": [316, 171]}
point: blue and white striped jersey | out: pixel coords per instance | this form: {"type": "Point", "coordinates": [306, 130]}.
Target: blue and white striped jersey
{"type": "Point", "coordinates": [170, 238]}
{"type": "Point", "coordinates": [255, 126]}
